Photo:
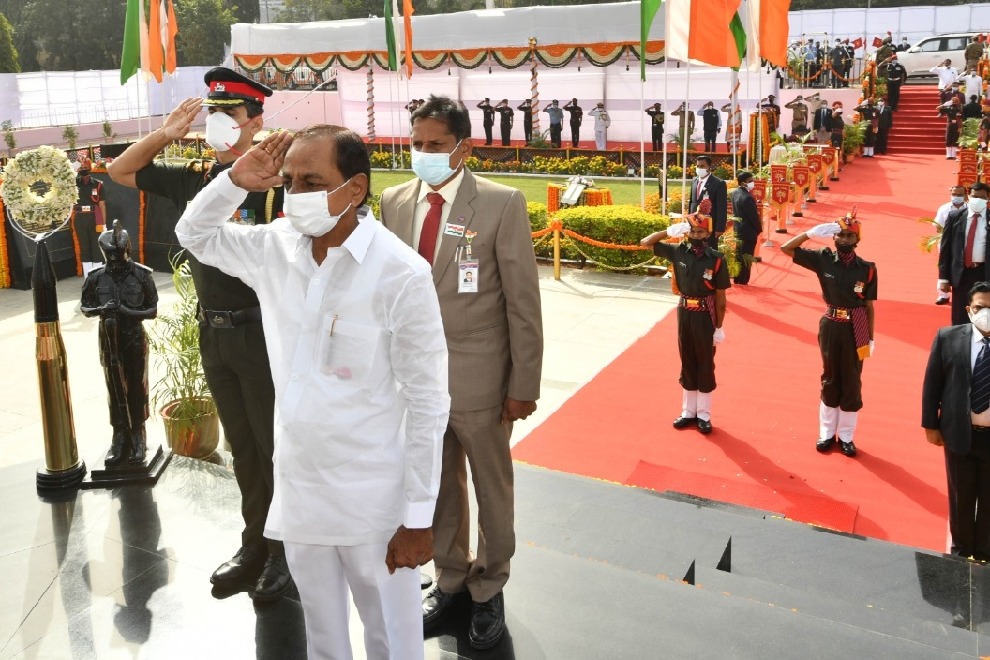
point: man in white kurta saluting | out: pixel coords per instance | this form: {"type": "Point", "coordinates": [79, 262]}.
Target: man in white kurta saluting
{"type": "Point", "coordinates": [359, 361]}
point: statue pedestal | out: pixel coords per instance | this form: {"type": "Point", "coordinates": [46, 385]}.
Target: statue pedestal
{"type": "Point", "coordinates": [129, 474]}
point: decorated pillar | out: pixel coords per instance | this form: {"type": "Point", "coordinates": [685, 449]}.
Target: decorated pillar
{"type": "Point", "coordinates": [371, 101]}
{"type": "Point", "coordinates": [534, 87]}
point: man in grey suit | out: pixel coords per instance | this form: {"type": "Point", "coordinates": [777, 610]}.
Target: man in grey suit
{"type": "Point", "coordinates": [955, 413]}
{"type": "Point", "coordinates": [494, 329]}
{"type": "Point", "coordinates": [964, 252]}
{"type": "Point", "coordinates": [706, 185]}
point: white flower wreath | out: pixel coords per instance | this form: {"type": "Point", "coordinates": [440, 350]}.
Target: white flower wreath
{"type": "Point", "coordinates": [33, 213]}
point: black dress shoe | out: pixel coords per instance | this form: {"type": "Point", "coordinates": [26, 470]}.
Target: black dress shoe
{"type": "Point", "coordinates": [684, 422]}
{"type": "Point", "coordinates": [274, 581]}
{"type": "Point", "coordinates": [243, 568]}
{"type": "Point", "coordinates": [436, 605]}
{"type": "Point", "coordinates": [704, 426]}
{"type": "Point", "coordinates": [487, 623]}
{"type": "Point", "coordinates": [425, 581]}
{"type": "Point", "coordinates": [941, 301]}
{"type": "Point", "coordinates": [825, 445]}
{"type": "Point", "coordinates": [780, 231]}
{"type": "Point", "coordinates": [847, 448]}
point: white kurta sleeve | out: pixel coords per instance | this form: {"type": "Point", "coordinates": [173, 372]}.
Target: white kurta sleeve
{"type": "Point", "coordinates": [419, 362]}
{"type": "Point", "coordinates": [204, 231]}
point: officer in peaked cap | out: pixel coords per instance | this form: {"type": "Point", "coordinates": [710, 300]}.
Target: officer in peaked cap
{"type": "Point", "coordinates": [232, 341]}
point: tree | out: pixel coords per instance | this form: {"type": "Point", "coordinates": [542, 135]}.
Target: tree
{"type": "Point", "coordinates": [8, 54]}
{"type": "Point", "coordinates": [246, 11]}
{"type": "Point", "coordinates": [64, 35]}
{"type": "Point", "coordinates": [204, 29]}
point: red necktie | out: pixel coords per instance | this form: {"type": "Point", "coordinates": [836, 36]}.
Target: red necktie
{"type": "Point", "coordinates": [697, 194]}
{"type": "Point", "coordinates": [970, 239]}
{"type": "Point", "coordinates": [431, 226]}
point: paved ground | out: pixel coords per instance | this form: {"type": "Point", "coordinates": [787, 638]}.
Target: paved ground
{"type": "Point", "coordinates": [589, 319]}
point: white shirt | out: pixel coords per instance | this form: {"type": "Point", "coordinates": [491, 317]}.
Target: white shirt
{"type": "Point", "coordinates": [601, 118]}
{"type": "Point", "coordinates": [979, 238]}
{"type": "Point", "coordinates": [359, 360]}
{"type": "Point", "coordinates": [973, 85]}
{"type": "Point", "coordinates": [982, 419]}
{"type": "Point", "coordinates": [946, 75]}
{"type": "Point", "coordinates": [449, 193]}
{"type": "Point", "coordinates": [943, 213]}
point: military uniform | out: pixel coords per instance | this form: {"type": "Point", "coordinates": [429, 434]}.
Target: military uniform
{"type": "Point", "coordinates": [843, 336]}
{"type": "Point", "coordinates": [488, 120]}
{"type": "Point", "coordinates": [505, 123]}
{"type": "Point", "coordinates": [88, 221]}
{"type": "Point", "coordinates": [526, 107]}
{"type": "Point", "coordinates": [697, 277]}
{"type": "Point", "coordinates": [577, 116]}
{"type": "Point", "coordinates": [656, 125]}
{"type": "Point", "coordinates": [232, 343]}
{"type": "Point", "coordinates": [896, 76]}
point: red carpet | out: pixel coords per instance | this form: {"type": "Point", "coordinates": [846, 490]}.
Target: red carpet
{"type": "Point", "coordinates": [765, 409]}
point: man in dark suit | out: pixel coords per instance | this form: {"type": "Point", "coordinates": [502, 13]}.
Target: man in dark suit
{"type": "Point", "coordinates": [707, 185]}
{"type": "Point", "coordinates": [494, 331]}
{"type": "Point", "coordinates": [822, 123]}
{"type": "Point", "coordinates": [963, 257]}
{"type": "Point", "coordinates": [955, 413]}
{"type": "Point", "coordinates": [748, 225]}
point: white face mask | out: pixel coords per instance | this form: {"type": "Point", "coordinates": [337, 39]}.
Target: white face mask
{"type": "Point", "coordinates": [977, 205]}
{"type": "Point", "coordinates": [958, 200]}
{"type": "Point", "coordinates": [309, 214]}
{"type": "Point", "coordinates": [750, 185]}
{"type": "Point", "coordinates": [702, 172]}
{"type": "Point", "coordinates": [433, 169]}
{"type": "Point", "coordinates": [981, 319]}
{"type": "Point", "coordinates": [222, 131]}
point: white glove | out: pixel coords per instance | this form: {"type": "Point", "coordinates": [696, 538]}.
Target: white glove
{"type": "Point", "coordinates": [679, 229]}
{"type": "Point", "coordinates": [718, 337]}
{"type": "Point", "coordinates": [873, 350]}
{"type": "Point", "coordinates": [824, 230]}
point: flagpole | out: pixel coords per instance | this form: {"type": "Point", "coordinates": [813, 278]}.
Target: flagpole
{"type": "Point", "coordinates": [666, 105]}
{"type": "Point", "coordinates": [642, 142]}
{"type": "Point", "coordinates": [684, 141]}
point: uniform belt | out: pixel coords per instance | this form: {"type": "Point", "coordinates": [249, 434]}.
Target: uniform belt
{"type": "Point", "coordinates": [229, 319]}
{"type": "Point", "coordinates": [694, 304]}
{"type": "Point", "coordinates": [839, 313]}
{"type": "Point", "coordinates": [981, 429]}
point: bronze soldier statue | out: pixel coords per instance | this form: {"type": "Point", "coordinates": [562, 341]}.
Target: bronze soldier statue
{"type": "Point", "coordinates": [122, 293]}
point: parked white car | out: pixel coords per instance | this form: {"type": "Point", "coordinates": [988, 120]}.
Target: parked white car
{"type": "Point", "coordinates": [932, 51]}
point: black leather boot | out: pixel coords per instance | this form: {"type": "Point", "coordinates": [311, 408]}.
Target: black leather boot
{"type": "Point", "coordinates": [139, 444]}
{"type": "Point", "coordinates": [119, 446]}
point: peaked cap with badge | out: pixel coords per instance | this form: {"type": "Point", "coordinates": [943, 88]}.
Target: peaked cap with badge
{"type": "Point", "coordinates": [229, 88]}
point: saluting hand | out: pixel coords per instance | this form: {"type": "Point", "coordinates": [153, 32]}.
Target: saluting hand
{"type": "Point", "coordinates": [260, 168]}
{"type": "Point", "coordinates": [180, 120]}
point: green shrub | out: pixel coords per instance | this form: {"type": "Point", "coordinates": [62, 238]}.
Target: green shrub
{"type": "Point", "coordinates": [622, 224]}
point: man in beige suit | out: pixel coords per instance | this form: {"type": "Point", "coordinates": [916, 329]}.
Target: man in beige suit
{"type": "Point", "coordinates": [493, 324]}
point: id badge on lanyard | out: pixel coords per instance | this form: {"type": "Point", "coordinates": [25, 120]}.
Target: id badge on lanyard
{"type": "Point", "coordinates": [468, 270]}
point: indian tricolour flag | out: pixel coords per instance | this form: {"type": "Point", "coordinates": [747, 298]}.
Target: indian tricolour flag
{"type": "Point", "coordinates": [727, 33]}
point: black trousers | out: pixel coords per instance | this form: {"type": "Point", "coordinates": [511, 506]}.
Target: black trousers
{"type": "Point", "coordinates": [968, 477]}
{"type": "Point", "coordinates": [893, 95]}
{"type": "Point", "coordinates": [842, 370]}
{"type": "Point", "coordinates": [881, 143]}
{"type": "Point", "coordinates": [657, 138]}
{"type": "Point", "coordinates": [555, 131]}
{"type": "Point", "coordinates": [694, 342]}
{"type": "Point", "coordinates": [506, 133]}
{"type": "Point", "coordinates": [960, 293]}
{"type": "Point", "coordinates": [575, 133]}
{"type": "Point", "coordinates": [89, 239]}
{"type": "Point", "coordinates": [528, 131]}
{"type": "Point", "coordinates": [710, 134]}
{"type": "Point", "coordinates": [235, 361]}
{"type": "Point", "coordinates": [745, 247]}
{"type": "Point", "coordinates": [488, 133]}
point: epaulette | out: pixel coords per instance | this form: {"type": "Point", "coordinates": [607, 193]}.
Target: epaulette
{"type": "Point", "coordinates": [142, 267]}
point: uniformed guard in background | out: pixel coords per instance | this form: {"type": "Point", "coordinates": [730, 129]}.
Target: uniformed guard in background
{"type": "Point", "coordinates": [232, 342]}
{"type": "Point", "coordinates": [123, 294]}
{"type": "Point", "coordinates": [90, 213]}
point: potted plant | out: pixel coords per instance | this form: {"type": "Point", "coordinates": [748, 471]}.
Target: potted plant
{"type": "Point", "coordinates": [181, 395]}
{"type": "Point", "coordinates": [853, 136]}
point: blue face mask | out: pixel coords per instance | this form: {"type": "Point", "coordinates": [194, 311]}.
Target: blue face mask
{"type": "Point", "coordinates": [433, 169]}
